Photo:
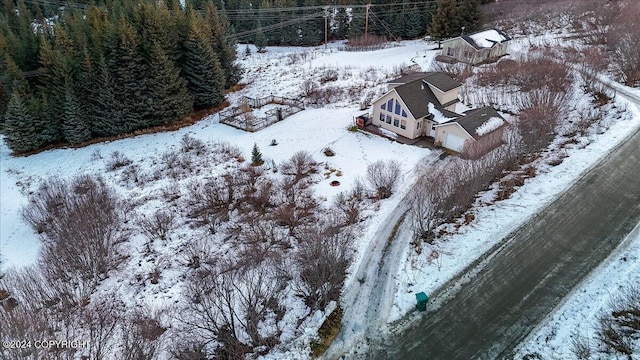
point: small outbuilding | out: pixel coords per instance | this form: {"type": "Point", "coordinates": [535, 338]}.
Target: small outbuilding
{"type": "Point", "coordinates": [477, 47]}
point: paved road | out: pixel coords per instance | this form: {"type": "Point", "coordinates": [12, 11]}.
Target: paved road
{"type": "Point", "coordinates": [534, 269]}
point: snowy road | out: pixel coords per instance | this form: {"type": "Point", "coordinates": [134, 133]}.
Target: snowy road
{"type": "Point", "coordinates": [533, 269]}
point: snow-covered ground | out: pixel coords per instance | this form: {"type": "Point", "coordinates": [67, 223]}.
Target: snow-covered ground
{"type": "Point", "coordinates": [450, 255]}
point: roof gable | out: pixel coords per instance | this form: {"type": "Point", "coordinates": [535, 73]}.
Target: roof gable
{"type": "Point", "coordinates": [441, 81]}
{"type": "Point", "coordinates": [417, 96]}
{"type": "Point", "coordinates": [481, 121]}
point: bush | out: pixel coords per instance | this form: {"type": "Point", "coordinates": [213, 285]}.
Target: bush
{"type": "Point", "coordinates": [158, 225]}
{"type": "Point", "coordinates": [81, 226]}
{"type": "Point", "coordinates": [383, 176]}
{"type": "Point", "coordinates": [117, 161]}
{"type": "Point", "coordinates": [193, 145]}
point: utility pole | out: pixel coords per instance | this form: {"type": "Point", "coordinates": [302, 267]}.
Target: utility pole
{"type": "Point", "coordinates": [366, 23]}
{"type": "Point", "coordinates": [326, 15]}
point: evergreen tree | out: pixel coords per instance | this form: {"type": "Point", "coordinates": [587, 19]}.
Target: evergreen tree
{"type": "Point", "coordinates": [256, 156]}
{"type": "Point", "coordinates": [74, 127]}
{"type": "Point", "coordinates": [356, 26]}
{"type": "Point", "coordinates": [20, 128]}
{"type": "Point", "coordinates": [169, 99]}
{"type": "Point", "coordinates": [128, 69]}
{"type": "Point", "coordinates": [469, 15]}
{"type": "Point", "coordinates": [54, 71]}
{"type": "Point", "coordinates": [444, 23]}
{"type": "Point", "coordinates": [261, 40]}
{"type": "Point", "coordinates": [202, 70]}
{"type": "Point", "coordinates": [105, 114]}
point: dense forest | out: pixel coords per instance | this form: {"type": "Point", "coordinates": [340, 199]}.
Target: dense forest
{"type": "Point", "coordinates": [94, 71]}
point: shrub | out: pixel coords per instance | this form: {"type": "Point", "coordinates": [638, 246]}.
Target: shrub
{"type": "Point", "coordinates": [191, 144]}
{"type": "Point", "coordinates": [81, 226]}
{"type": "Point", "coordinates": [158, 225]}
{"type": "Point", "coordinates": [117, 161]}
{"type": "Point", "coordinates": [382, 176]}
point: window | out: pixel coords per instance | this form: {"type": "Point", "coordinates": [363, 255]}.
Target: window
{"type": "Point", "coordinates": [403, 124]}
{"type": "Point", "coordinates": [388, 119]}
{"type": "Point", "coordinates": [383, 106]}
{"type": "Point", "coordinates": [419, 125]}
{"type": "Point", "coordinates": [381, 117]}
{"type": "Point", "coordinates": [390, 105]}
{"type": "Point", "coordinates": [396, 122]}
{"type": "Point", "coordinates": [404, 113]}
{"type": "Point", "coordinates": [450, 52]}
{"type": "Point", "coordinates": [397, 107]}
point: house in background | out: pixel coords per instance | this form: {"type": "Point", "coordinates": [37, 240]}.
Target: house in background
{"type": "Point", "coordinates": [423, 104]}
{"type": "Point", "coordinates": [476, 48]}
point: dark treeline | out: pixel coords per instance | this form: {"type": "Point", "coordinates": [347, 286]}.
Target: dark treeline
{"type": "Point", "coordinates": [108, 69]}
{"type": "Point", "coordinates": [394, 19]}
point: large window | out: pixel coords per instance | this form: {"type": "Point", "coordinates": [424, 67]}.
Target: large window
{"type": "Point", "coordinates": [390, 105]}
{"type": "Point", "coordinates": [381, 117]}
{"type": "Point", "coordinates": [397, 107]}
{"type": "Point", "coordinates": [419, 125]}
{"type": "Point", "coordinates": [383, 106]}
{"type": "Point", "coordinates": [388, 119]}
{"type": "Point", "coordinates": [396, 122]}
{"type": "Point", "coordinates": [403, 124]}
{"type": "Point", "coordinates": [404, 113]}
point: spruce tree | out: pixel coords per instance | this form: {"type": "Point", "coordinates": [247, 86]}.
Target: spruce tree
{"type": "Point", "coordinates": [202, 70]}
{"type": "Point", "coordinates": [170, 99]}
{"type": "Point", "coordinates": [20, 128]}
{"type": "Point", "coordinates": [444, 23]}
{"type": "Point", "coordinates": [74, 126]}
{"type": "Point", "coordinates": [127, 67]}
{"type": "Point", "coordinates": [256, 156]}
{"type": "Point", "coordinates": [53, 72]}
{"type": "Point", "coordinates": [469, 15]}
{"type": "Point", "coordinates": [106, 115]}
{"type": "Point", "coordinates": [261, 40]}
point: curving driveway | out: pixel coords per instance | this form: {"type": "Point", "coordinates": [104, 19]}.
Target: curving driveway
{"type": "Point", "coordinates": [532, 270]}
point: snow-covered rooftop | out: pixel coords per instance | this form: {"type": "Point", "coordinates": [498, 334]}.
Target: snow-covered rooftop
{"type": "Point", "coordinates": [438, 116]}
{"type": "Point", "coordinates": [488, 38]}
{"type": "Point", "coordinates": [489, 125]}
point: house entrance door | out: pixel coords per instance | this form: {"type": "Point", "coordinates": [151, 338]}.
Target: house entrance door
{"type": "Point", "coordinates": [432, 130]}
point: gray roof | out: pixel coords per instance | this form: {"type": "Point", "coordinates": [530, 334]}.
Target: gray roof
{"type": "Point", "coordinates": [408, 78]}
{"type": "Point", "coordinates": [417, 97]}
{"type": "Point", "coordinates": [473, 119]}
{"type": "Point", "coordinates": [441, 81]}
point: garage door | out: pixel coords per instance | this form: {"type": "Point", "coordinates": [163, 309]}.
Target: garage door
{"type": "Point", "coordinates": [453, 142]}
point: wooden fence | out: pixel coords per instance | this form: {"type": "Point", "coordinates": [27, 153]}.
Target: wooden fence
{"type": "Point", "coordinates": [241, 117]}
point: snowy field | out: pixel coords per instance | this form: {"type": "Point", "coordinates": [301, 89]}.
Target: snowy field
{"type": "Point", "coordinates": [311, 130]}
{"type": "Point", "coordinates": [279, 72]}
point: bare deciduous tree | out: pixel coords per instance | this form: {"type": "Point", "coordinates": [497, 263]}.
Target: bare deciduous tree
{"type": "Point", "coordinates": [158, 225]}
{"type": "Point", "coordinates": [300, 166]}
{"type": "Point", "coordinates": [383, 176]}
{"type": "Point", "coordinates": [139, 336]}
{"type": "Point", "coordinates": [81, 227]}
{"type": "Point", "coordinates": [235, 311]}
{"type": "Point", "coordinates": [322, 258]}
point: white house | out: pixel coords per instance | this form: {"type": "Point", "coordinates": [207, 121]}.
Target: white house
{"type": "Point", "coordinates": [422, 104]}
